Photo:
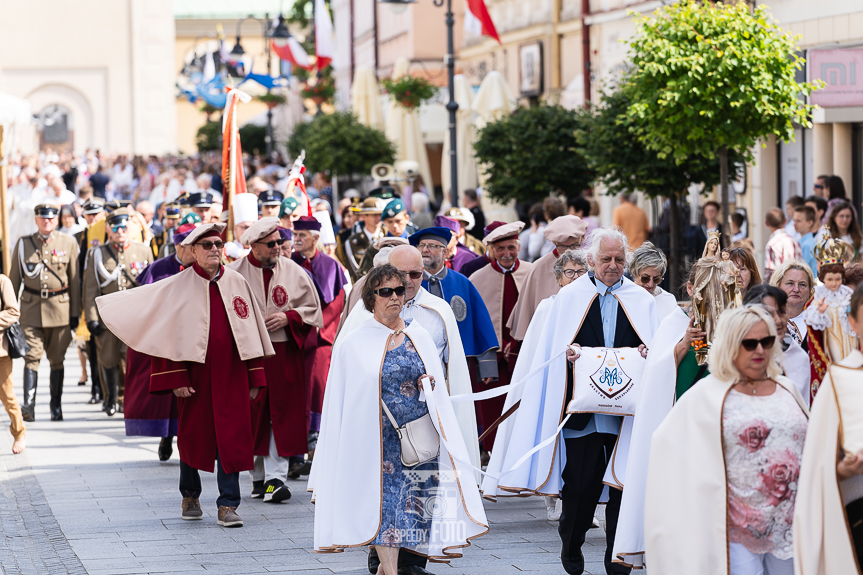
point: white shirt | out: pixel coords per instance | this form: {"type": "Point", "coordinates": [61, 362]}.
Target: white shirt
{"type": "Point", "coordinates": [433, 323]}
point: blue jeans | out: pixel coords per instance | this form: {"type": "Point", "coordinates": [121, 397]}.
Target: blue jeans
{"type": "Point", "coordinates": [229, 484]}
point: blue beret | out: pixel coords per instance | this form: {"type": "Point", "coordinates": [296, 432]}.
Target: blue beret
{"type": "Point", "coordinates": [442, 234]}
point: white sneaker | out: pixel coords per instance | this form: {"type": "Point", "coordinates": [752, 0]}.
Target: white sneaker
{"type": "Point", "coordinates": [553, 506]}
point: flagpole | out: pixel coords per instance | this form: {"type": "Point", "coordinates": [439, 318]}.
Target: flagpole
{"type": "Point", "coordinates": [269, 136]}
{"type": "Point", "coordinates": [451, 106]}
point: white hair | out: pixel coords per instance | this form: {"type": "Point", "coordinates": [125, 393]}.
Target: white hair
{"type": "Point", "coordinates": [419, 202]}
{"type": "Point", "coordinates": [383, 256]}
{"type": "Point", "coordinates": [731, 329]}
{"type": "Point", "coordinates": [647, 256]}
{"type": "Point", "coordinates": [599, 235]}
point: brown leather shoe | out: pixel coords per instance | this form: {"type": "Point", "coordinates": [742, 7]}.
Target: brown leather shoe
{"type": "Point", "coordinates": [228, 517]}
{"type": "Point", "coordinates": [192, 509]}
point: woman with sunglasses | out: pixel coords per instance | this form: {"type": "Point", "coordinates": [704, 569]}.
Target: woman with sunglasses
{"type": "Point", "coordinates": [382, 377]}
{"type": "Point", "coordinates": [722, 478]}
{"type": "Point", "coordinates": [828, 519]}
{"type": "Point", "coordinates": [647, 265]}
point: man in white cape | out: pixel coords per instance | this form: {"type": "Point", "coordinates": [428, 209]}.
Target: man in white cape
{"type": "Point", "coordinates": [348, 458]}
{"type": "Point", "coordinates": [437, 317]}
{"type": "Point", "coordinates": [576, 316]}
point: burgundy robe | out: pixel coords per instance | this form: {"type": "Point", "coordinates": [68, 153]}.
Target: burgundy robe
{"type": "Point", "coordinates": [217, 418]}
{"type": "Point", "coordinates": [283, 404]}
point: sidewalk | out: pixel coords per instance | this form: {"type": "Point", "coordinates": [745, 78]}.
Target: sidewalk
{"type": "Point", "coordinates": [84, 498]}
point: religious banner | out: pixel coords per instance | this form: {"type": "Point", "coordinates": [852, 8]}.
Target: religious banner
{"type": "Point", "coordinates": [232, 156]}
{"type": "Point", "coordinates": [606, 380]}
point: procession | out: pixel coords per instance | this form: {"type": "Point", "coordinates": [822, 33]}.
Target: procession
{"type": "Point", "coordinates": [616, 334]}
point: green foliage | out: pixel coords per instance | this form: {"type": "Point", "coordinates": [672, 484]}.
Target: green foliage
{"type": "Point", "coordinates": [271, 98]}
{"type": "Point", "coordinates": [207, 137]}
{"type": "Point", "coordinates": [532, 153]}
{"type": "Point", "coordinates": [409, 91]}
{"type": "Point", "coordinates": [324, 88]}
{"type": "Point", "coordinates": [339, 143]}
{"type": "Point", "coordinates": [714, 76]}
{"type": "Point", "coordinates": [624, 164]}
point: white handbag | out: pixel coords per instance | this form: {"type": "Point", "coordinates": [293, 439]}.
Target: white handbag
{"type": "Point", "coordinates": [606, 380]}
{"type": "Point", "coordinates": [849, 399]}
{"type": "Point", "coordinates": [419, 440]}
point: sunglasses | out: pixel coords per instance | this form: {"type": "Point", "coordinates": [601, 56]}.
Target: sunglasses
{"type": "Point", "coordinates": [656, 279]}
{"type": "Point", "coordinates": [570, 274]}
{"type": "Point", "coordinates": [207, 246]}
{"type": "Point", "coordinates": [272, 244]}
{"type": "Point", "coordinates": [766, 343]}
{"type": "Point", "coordinates": [116, 229]}
{"type": "Point", "coordinates": [388, 292]}
{"type": "Point", "coordinates": [414, 275]}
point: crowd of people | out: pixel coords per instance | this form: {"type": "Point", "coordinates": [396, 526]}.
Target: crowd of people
{"type": "Point", "coordinates": [430, 361]}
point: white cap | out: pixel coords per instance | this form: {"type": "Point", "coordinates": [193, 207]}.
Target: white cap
{"type": "Point", "coordinates": [327, 235]}
{"type": "Point", "coordinates": [245, 208]}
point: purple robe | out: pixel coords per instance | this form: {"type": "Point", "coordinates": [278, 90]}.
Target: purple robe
{"type": "Point", "coordinates": [326, 273]}
{"type": "Point", "coordinates": [461, 257]}
{"type": "Point", "coordinates": [160, 269]}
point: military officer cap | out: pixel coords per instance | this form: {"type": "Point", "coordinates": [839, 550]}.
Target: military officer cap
{"type": "Point", "coordinates": [355, 206]}
{"type": "Point", "coordinates": [117, 204]}
{"type": "Point", "coordinates": [372, 206]}
{"type": "Point", "coordinates": [384, 193]}
{"type": "Point", "coordinates": [200, 200]}
{"type": "Point", "coordinates": [118, 217]}
{"type": "Point", "coordinates": [270, 198]}
{"type": "Point", "coordinates": [172, 212]}
{"type": "Point", "coordinates": [289, 204]}
{"type": "Point", "coordinates": [392, 209]}
{"type": "Point", "coordinates": [190, 218]}
{"type": "Point", "coordinates": [47, 211]}
{"type": "Point", "coordinates": [93, 206]}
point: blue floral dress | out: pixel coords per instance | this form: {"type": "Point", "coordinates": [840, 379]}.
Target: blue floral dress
{"type": "Point", "coordinates": [408, 492]}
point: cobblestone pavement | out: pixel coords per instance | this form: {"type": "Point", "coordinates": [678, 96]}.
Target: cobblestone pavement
{"type": "Point", "coordinates": [84, 498]}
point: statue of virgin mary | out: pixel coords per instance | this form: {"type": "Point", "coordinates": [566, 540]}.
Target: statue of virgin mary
{"type": "Point", "coordinates": [710, 295]}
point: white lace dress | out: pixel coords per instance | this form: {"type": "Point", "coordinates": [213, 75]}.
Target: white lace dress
{"type": "Point", "coordinates": [763, 438]}
{"type": "Point", "coordinates": [839, 338]}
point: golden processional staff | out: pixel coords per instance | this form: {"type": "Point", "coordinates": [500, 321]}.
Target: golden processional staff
{"type": "Point", "coordinates": [233, 174]}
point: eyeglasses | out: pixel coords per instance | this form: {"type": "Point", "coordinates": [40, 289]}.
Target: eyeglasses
{"type": "Point", "coordinates": [388, 292]}
{"type": "Point", "coordinates": [272, 244]}
{"type": "Point", "coordinates": [572, 274]}
{"type": "Point", "coordinates": [766, 343]}
{"type": "Point", "coordinates": [819, 186]}
{"type": "Point", "coordinates": [207, 246]}
{"type": "Point", "coordinates": [564, 247]}
{"type": "Point", "coordinates": [414, 275]}
{"type": "Point", "coordinates": [430, 247]}
{"type": "Point", "coordinates": [656, 279]}
{"type": "Point", "coordinates": [116, 229]}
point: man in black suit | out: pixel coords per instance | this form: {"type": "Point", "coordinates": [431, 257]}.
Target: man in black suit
{"type": "Point", "coordinates": [590, 438]}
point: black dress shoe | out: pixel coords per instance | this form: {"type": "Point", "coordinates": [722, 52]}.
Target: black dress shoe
{"type": "Point", "coordinates": [166, 448]}
{"type": "Point", "coordinates": [573, 565]}
{"type": "Point", "coordinates": [413, 570]}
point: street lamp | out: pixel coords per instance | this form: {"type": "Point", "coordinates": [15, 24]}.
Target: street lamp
{"type": "Point", "coordinates": [451, 105]}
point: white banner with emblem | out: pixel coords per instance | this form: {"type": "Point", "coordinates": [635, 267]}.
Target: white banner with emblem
{"type": "Point", "coordinates": [606, 380]}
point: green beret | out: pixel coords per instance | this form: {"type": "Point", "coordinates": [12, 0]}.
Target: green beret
{"type": "Point", "coordinates": [190, 218]}
{"type": "Point", "coordinates": [289, 204]}
{"type": "Point", "coordinates": [392, 209]}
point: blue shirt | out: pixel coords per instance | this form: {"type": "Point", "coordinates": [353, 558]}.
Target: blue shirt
{"type": "Point", "coordinates": [600, 422]}
{"type": "Point", "coordinates": [807, 244]}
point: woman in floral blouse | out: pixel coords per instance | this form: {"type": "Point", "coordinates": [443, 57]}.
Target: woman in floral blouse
{"type": "Point", "coordinates": [726, 507]}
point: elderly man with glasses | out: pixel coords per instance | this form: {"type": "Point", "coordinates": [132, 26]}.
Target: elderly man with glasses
{"type": "Point", "coordinates": [111, 268]}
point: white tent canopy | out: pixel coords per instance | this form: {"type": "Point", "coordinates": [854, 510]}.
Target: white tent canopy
{"type": "Point", "coordinates": [366, 98]}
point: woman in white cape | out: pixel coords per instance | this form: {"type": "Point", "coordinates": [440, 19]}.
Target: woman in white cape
{"type": "Point", "coordinates": [363, 493]}
{"type": "Point", "coordinates": [828, 519]}
{"type": "Point", "coordinates": [647, 266]}
{"type": "Point", "coordinates": [721, 481]}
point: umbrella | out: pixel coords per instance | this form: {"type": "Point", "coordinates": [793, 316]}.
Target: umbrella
{"type": "Point", "coordinates": [403, 129]}
{"type": "Point", "coordinates": [464, 142]}
{"type": "Point", "coordinates": [366, 99]}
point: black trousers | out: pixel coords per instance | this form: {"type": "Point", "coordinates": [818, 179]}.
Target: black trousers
{"type": "Point", "coordinates": [406, 559]}
{"type": "Point", "coordinates": [229, 484]}
{"type": "Point", "coordinates": [854, 511]}
{"type": "Point", "coordinates": [586, 459]}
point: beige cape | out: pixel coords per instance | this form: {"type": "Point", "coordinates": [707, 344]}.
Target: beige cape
{"type": "Point", "coordinates": [537, 285]}
{"type": "Point", "coordinates": [686, 501]}
{"type": "Point", "coordinates": [171, 318]}
{"type": "Point", "coordinates": [290, 286]}
{"type": "Point", "coordinates": [822, 540]}
{"type": "Point", "coordinates": [489, 284]}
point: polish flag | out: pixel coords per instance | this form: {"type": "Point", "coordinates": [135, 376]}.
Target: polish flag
{"type": "Point", "coordinates": [324, 44]}
{"type": "Point", "coordinates": [478, 21]}
{"type": "Point", "coordinates": [293, 53]}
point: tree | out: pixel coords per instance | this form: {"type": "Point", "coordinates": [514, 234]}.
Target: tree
{"type": "Point", "coordinates": [712, 78]}
{"type": "Point", "coordinates": [339, 143]}
{"type": "Point", "coordinates": [624, 164]}
{"type": "Point", "coordinates": [532, 153]}
{"type": "Point", "coordinates": [209, 137]}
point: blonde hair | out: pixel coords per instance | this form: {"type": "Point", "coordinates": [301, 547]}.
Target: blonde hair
{"type": "Point", "coordinates": [731, 329]}
{"type": "Point", "coordinates": [786, 266]}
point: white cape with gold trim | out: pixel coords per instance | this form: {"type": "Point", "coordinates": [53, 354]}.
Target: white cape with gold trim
{"type": "Point", "coordinates": [685, 508]}
{"type": "Point", "coordinates": [657, 399]}
{"type": "Point", "coordinates": [458, 376]}
{"type": "Point", "coordinates": [822, 543]}
{"type": "Point", "coordinates": [346, 476]}
{"type": "Point", "coordinates": [543, 396]}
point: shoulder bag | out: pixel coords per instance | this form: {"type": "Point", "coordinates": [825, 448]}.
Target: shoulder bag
{"type": "Point", "coordinates": [418, 439]}
{"type": "Point", "coordinates": [17, 347]}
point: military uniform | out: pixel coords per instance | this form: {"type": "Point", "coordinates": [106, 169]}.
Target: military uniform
{"type": "Point", "coordinates": [50, 304]}
{"type": "Point", "coordinates": [86, 239]}
{"type": "Point", "coordinates": [360, 241]}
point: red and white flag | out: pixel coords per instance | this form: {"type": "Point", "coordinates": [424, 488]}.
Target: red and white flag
{"type": "Point", "coordinates": [233, 178]}
{"type": "Point", "coordinates": [478, 21]}
{"type": "Point", "coordinates": [324, 43]}
{"type": "Point", "coordinates": [293, 52]}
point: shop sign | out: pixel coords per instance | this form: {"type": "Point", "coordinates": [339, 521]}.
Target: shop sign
{"type": "Point", "coordinates": [842, 73]}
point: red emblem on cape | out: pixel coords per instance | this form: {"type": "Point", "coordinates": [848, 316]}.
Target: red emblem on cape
{"type": "Point", "coordinates": [241, 308]}
{"type": "Point", "coordinates": [280, 296]}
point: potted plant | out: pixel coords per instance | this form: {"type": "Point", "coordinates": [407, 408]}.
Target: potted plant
{"type": "Point", "coordinates": [409, 91]}
{"type": "Point", "coordinates": [271, 99]}
{"type": "Point", "coordinates": [322, 91]}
